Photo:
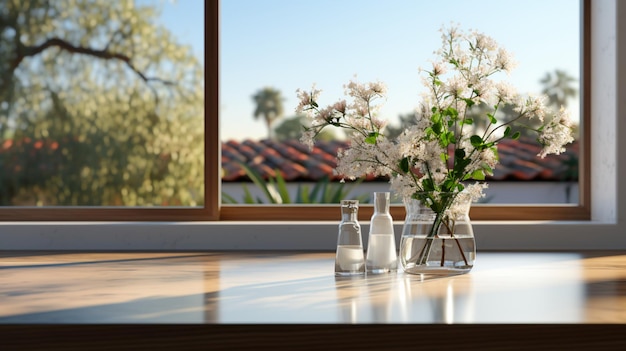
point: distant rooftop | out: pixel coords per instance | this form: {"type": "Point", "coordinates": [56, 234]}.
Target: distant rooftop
{"type": "Point", "coordinates": [518, 161]}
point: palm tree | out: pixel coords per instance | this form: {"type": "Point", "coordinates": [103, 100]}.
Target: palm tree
{"type": "Point", "coordinates": [559, 88]}
{"type": "Point", "coordinates": [269, 104]}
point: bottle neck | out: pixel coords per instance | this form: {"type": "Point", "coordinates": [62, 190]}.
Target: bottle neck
{"type": "Point", "coordinates": [348, 216]}
{"type": "Point", "coordinates": [381, 203]}
{"type": "Point", "coordinates": [349, 209]}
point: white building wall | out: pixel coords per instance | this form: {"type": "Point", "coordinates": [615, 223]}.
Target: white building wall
{"type": "Point", "coordinates": [498, 192]}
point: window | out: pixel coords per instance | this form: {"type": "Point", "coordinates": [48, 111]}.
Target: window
{"type": "Point", "coordinates": [212, 209]}
{"type": "Point", "coordinates": [578, 211]}
{"type": "Point", "coordinates": [102, 113]}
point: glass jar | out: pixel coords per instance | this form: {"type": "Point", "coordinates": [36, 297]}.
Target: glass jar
{"type": "Point", "coordinates": [381, 244]}
{"type": "Point", "coordinates": [349, 259]}
{"type": "Point", "coordinates": [439, 241]}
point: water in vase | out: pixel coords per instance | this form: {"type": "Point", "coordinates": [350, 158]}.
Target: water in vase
{"type": "Point", "coordinates": [437, 255]}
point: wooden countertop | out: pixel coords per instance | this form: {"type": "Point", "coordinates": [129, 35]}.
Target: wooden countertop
{"type": "Point", "coordinates": [287, 288]}
{"type": "Point", "coordinates": [284, 287]}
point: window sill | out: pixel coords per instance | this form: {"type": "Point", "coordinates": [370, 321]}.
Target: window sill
{"type": "Point", "coordinates": [286, 235]}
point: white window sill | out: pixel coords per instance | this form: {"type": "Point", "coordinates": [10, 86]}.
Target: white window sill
{"type": "Point", "coordinates": [284, 235]}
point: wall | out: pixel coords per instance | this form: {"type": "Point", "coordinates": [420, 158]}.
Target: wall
{"type": "Point", "coordinates": [606, 231]}
{"type": "Point", "coordinates": [498, 192]}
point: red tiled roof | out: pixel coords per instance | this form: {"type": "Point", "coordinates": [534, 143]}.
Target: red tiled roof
{"type": "Point", "coordinates": [518, 161]}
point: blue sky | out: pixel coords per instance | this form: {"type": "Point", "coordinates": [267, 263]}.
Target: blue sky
{"type": "Point", "coordinates": [290, 44]}
{"type": "Point", "coordinates": [185, 19]}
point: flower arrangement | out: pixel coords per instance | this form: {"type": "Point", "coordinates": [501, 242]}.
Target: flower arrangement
{"type": "Point", "coordinates": [441, 151]}
{"type": "Point", "coordinates": [434, 160]}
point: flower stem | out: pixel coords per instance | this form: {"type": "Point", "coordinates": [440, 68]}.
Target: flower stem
{"type": "Point", "coordinates": [443, 251]}
{"type": "Point", "coordinates": [433, 233]}
{"type": "Point", "coordinates": [434, 229]}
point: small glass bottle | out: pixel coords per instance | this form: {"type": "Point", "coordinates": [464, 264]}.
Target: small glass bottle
{"type": "Point", "coordinates": [349, 259]}
{"type": "Point", "coordinates": [381, 245]}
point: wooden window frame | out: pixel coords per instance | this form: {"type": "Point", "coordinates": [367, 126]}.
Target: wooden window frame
{"type": "Point", "coordinates": [214, 211]}
{"type": "Point", "coordinates": [580, 211]}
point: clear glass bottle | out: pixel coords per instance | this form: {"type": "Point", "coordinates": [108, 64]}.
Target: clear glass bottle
{"type": "Point", "coordinates": [349, 259]}
{"type": "Point", "coordinates": [381, 246]}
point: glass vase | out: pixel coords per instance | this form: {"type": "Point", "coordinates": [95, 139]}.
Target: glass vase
{"type": "Point", "coordinates": [349, 258]}
{"type": "Point", "coordinates": [381, 245]}
{"type": "Point", "coordinates": [437, 235]}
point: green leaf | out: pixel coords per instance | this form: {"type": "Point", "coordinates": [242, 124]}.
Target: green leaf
{"type": "Point", "coordinates": [271, 185]}
{"type": "Point", "coordinates": [448, 185]}
{"type": "Point", "coordinates": [507, 131]}
{"type": "Point", "coordinates": [451, 138]}
{"type": "Point", "coordinates": [227, 199]}
{"type": "Point", "coordinates": [487, 170]}
{"type": "Point", "coordinates": [495, 152]}
{"type": "Point", "coordinates": [371, 138]}
{"type": "Point", "coordinates": [459, 154]}
{"type": "Point", "coordinates": [467, 121]}
{"type": "Point", "coordinates": [404, 165]}
{"type": "Point", "coordinates": [492, 119]}
{"type": "Point", "coordinates": [281, 187]}
{"type": "Point", "coordinates": [247, 196]}
{"type": "Point", "coordinates": [437, 128]}
{"type": "Point", "coordinates": [469, 102]}
{"type": "Point", "coordinates": [444, 157]}
{"type": "Point", "coordinates": [452, 112]}
{"type": "Point", "coordinates": [478, 174]}
{"type": "Point", "coordinates": [302, 195]}
{"type": "Point", "coordinates": [436, 118]}
{"type": "Point", "coordinates": [476, 141]}
{"type": "Point", "coordinates": [516, 135]}
{"type": "Point", "coordinates": [317, 188]}
{"type": "Point", "coordinates": [257, 179]}
{"type": "Point", "coordinates": [428, 185]}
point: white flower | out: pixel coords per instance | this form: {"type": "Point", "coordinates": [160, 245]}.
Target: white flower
{"type": "Point", "coordinates": [340, 106]}
{"type": "Point", "coordinates": [457, 86]}
{"type": "Point", "coordinates": [365, 92]}
{"type": "Point", "coordinates": [306, 98]}
{"type": "Point", "coordinates": [483, 42]}
{"type": "Point", "coordinates": [531, 106]}
{"type": "Point", "coordinates": [438, 152]}
{"type": "Point", "coordinates": [307, 138]}
{"type": "Point", "coordinates": [504, 60]}
{"type": "Point", "coordinates": [470, 194]}
{"type": "Point", "coordinates": [439, 68]}
{"type": "Point", "coordinates": [505, 92]}
{"type": "Point", "coordinates": [556, 134]}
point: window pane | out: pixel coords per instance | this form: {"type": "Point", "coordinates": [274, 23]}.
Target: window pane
{"type": "Point", "coordinates": [271, 48]}
{"type": "Point", "coordinates": [102, 103]}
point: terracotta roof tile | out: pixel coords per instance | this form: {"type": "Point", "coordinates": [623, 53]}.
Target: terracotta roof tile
{"type": "Point", "coordinates": [518, 160]}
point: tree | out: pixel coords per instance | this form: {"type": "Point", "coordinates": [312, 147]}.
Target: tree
{"type": "Point", "coordinates": [269, 104]}
{"type": "Point", "coordinates": [406, 120]}
{"type": "Point", "coordinates": [559, 88]}
{"type": "Point", "coordinates": [122, 101]}
{"type": "Point", "coordinates": [292, 128]}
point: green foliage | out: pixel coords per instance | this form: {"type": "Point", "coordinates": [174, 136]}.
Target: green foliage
{"type": "Point", "coordinates": [276, 192]}
{"type": "Point", "coordinates": [269, 105]}
{"type": "Point", "coordinates": [119, 96]}
{"type": "Point", "coordinates": [291, 129]}
{"type": "Point", "coordinates": [406, 120]}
